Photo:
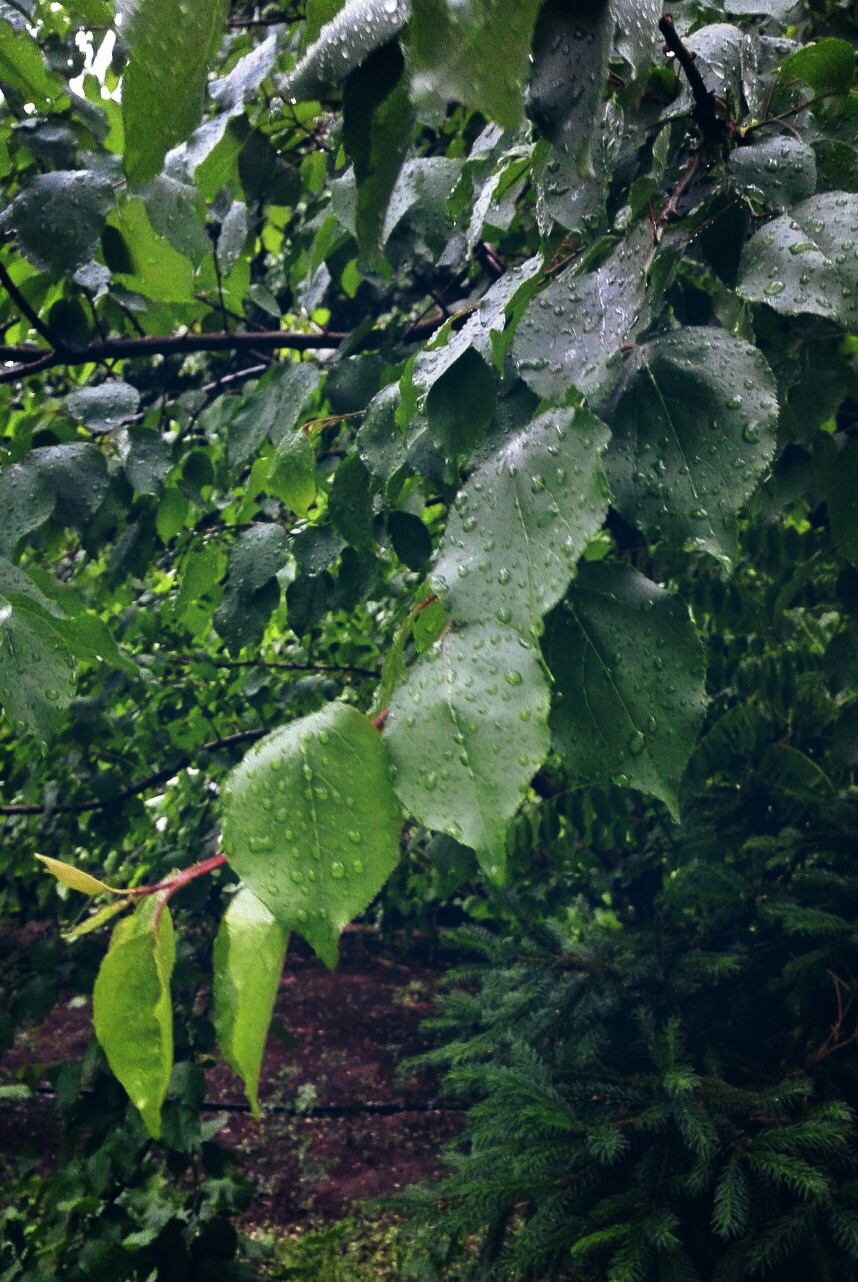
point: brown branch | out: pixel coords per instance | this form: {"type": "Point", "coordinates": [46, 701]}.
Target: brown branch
{"type": "Point", "coordinates": [28, 312]}
{"type": "Point", "coordinates": [134, 789]}
{"type": "Point", "coordinates": [32, 360]}
{"type": "Point", "coordinates": [705, 114]}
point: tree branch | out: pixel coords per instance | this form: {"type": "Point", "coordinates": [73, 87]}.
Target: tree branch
{"type": "Point", "coordinates": [28, 312]}
{"type": "Point", "coordinates": [705, 114]}
{"type": "Point", "coordinates": [134, 789]}
{"type": "Point", "coordinates": [32, 360]}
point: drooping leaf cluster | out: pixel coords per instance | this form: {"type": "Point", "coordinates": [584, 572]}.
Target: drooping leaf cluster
{"type": "Point", "coordinates": [380, 382]}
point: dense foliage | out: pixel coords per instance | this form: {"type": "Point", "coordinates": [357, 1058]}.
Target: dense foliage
{"type": "Point", "coordinates": [456, 402]}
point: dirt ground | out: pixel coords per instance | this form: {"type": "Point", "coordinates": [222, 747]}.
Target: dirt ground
{"type": "Point", "coordinates": [359, 1132]}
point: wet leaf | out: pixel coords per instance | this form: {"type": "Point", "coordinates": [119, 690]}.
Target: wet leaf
{"type": "Point", "coordinates": [778, 171]}
{"type": "Point", "coordinates": [467, 731]}
{"type": "Point", "coordinates": [692, 434]}
{"type": "Point", "coordinates": [629, 669]}
{"type": "Point", "coordinates": [311, 823]}
{"type": "Point", "coordinates": [103, 405]}
{"type": "Point", "coordinates": [131, 1009]}
{"type": "Point", "coordinates": [248, 960]}
{"type": "Point", "coordinates": [361, 27]}
{"type": "Point", "coordinates": [59, 217]}
{"type": "Point", "coordinates": [36, 668]}
{"type": "Point", "coordinates": [572, 332]}
{"type": "Point", "coordinates": [170, 48]}
{"type": "Point", "coordinates": [476, 52]}
{"type": "Point", "coordinates": [522, 520]}
{"type": "Point", "coordinates": [807, 261]}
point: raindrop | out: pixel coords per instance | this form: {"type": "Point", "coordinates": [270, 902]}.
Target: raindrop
{"type": "Point", "coordinates": [636, 743]}
{"type": "Point", "coordinates": [338, 870]}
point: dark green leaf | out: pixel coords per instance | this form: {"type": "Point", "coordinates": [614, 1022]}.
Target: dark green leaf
{"type": "Point", "coordinates": [59, 217]}
{"type": "Point", "coordinates": [377, 121]}
{"type": "Point", "coordinates": [476, 52]}
{"type": "Point", "coordinates": [461, 404]}
{"type": "Point", "coordinates": [467, 731]}
{"type": "Point", "coordinates": [311, 823]}
{"type": "Point", "coordinates": [350, 503]}
{"type": "Point", "coordinates": [693, 433]}
{"type": "Point", "coordinates": [272, 409]}
{"type": "Point", "coordinates": [806, 261]}
{"type": "Point", "coordinates": [411, 540]}
{"type": "Point", "coordinates": [36, 668]}
{"type": "Point", "coordinates": [778, 171]}
{"type": "Point", "coordinates": [522, 521]}
{"type": "Point", "coordinates": [629, 670]}
{"type": "Point", "coordinates": [26, 501]}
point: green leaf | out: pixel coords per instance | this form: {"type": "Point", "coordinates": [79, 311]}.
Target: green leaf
{"type": "Point", "coordinates": [131, 1008]}
{"type": "Point", "coordinates": [248, 960]}
{"type": "Point", "coordinates": [571, 49]}
{"type": "Point", "coordinates": [467, 730]}
{"type": "Point", "coordinates": [574, 330]}
{"type": "Point", "coordinates": [837, 470]}
{"type": "Point", "coordinates": [522, 520]}
{"type": "Point", "coordinates": [147, 456]}
{"type": "Point", "coordinates": [272, 408]}
{"type": "Point", "coordinates": [361, 27]}
{"type": "Point", "coordinates": [377, 122]}
{"type": "Point", "coordinates": [76, 878]}
{"type": "Point", "coordinates": [104, 405]}
{"type": "Point", "coordinates": [96, 920]}
{"type": "Point", "coordinates": [26, 501]}
{"type": "Point", "coordinates": [411, 541]}
{"type": "Point", "coordinates": [778, 171]}
{"type": "Point", "coordinates": [461, 404]}
{"type": "Point", "coordinates": [629, 671]}
{"type": "Point", "coordinates": [23, 71]}
{"type": "Point", "coordinates": [799, 263]}
{"type": "Point", "coordinates": [142, 260]}
{"type": "Point", "coordinates": [693, 433]}
{"type": "Point", "coordinates": [77, 472]}
{"type": "Point", "coordinates": [350, 503]}
{"type": "Point", "coordinates": [293, 472]}
{"type": "Point", "coordinates": [311, 823]}
{"type": "Point", "coordinates": [828, 66]}
{"type": "Point", "coordinates": [476, 52]}
{"type": "Point", "coordinates": [36, 668]}
{"type": "Point", "coordinates": [59, 217]}
{"type": "Point", "coordinates": [170, 50]}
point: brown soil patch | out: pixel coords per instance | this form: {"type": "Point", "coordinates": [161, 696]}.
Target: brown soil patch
{"type": "Point", "coordinates": [339, 1127]}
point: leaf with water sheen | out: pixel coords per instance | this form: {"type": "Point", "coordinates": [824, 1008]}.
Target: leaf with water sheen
{"type": "Point", "coordinates": [59, 216]}
{"type": "Point", "coordinates": [522, 520]}
{"type": "Point", "coordinates": [26, 501]}
{"type": "Point", "coordinates": [248, 960]}
{"type": "Point", "coordinates": [131, 1009]}
{"type": "Point", "coordinates": [311, 823]}
{"type": "Point", "coordinates": [361, 27]}
{"type": "Point", "coordinates": [467, 730]}
{"type": "Point", "coordinates": [170, 47]}
{"type": "Point", "coordinates": [806, 261]}
{"type": "Point", "coordinates": [693, 433]}
{"type": "Point", "coordinates": [572, 332]}
{"type": "Point", "coordinates": [36, 668]}
{"type": "Point", "coordinates": [629, 670]}
{"type": "Point", "coordinates": [779, 171]}
{"type": "Point", "coordinates": [474, 51]}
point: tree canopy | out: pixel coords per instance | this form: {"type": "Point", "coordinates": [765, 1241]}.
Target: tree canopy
{"type": "Point", "coordinates": [394, 393]}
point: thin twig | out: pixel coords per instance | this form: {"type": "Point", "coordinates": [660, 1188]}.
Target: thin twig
{"type": "Point", "coordinates": [134, 789]}
{"type": "Point", "coordinates": [26, 310]}
{"type": "Point", "coordinates": [704, 102]}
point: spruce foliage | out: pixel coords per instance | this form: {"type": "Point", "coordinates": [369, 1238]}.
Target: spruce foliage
{"type": "Point", "coordinates": [663, 1078]}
